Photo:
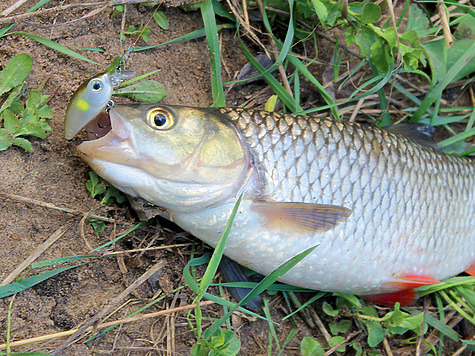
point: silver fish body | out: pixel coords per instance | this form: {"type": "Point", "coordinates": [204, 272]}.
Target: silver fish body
{"type": "Point", "coordinates": [403, 211]}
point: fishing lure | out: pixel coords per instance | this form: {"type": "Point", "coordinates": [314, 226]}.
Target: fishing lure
{"type": "Point", "coordinates": [92, 98]}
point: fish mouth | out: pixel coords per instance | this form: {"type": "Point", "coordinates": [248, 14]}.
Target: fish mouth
{"type": "Point", "coordinates": [107, 136]}
{"type": "Point", "coordinates": [98, 127]}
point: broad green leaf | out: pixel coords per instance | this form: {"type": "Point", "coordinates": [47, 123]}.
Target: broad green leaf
{"type": "Point", "coordinates": [15, 72]}
{"type": "Point", "coordinates": [10, 100]}
{"type": "Point", "coordinates": [340, 327]}
{"type": "Point", "coordinates": [45, 112]}
{"type": "Point", "coordinates": [311, 347]}
{"type": "Point", "coordinates": [147, 91]}
{"type": "Point", "coordinates": [397, 317]}
{"type": "Point", "coordinates": [375, 333]}
{"type": "Point", "coordinates": [16, 108]}
{"type": "Point", "coordinates": [10, 121]}
{"type": "Point", "coordinates": [32, 127]}
{"type": "Point", "coordinates": [6, 139]}
{"type": "Point", "coordinates": [161, 20]}
{"type": "Point", "coordinates": [112, 194]}
{"type": "Point", "coordinates": [328, 309]}
{"type": "Point", "coordinates": [371, 13]}
{"type": "Point", "coordinates": [417, 21]}
{"type": "Point", "coordinates": [335, 340]}
{"type": "Point", "coordinates": [271, 103]}
{"type": "Point", "coordinates": [23, 143]}
{"type": "Point", "coordinates": [321, 11]}
{"type": "Point", "coordinates": [381, 56]}
{"type": "Point", "coordinates": [413, 322]}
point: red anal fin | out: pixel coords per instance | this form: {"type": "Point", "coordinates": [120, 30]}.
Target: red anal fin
{"type": "Point", "coordinates": [405, 293]}
{"type": "Point", "coordinates": [471, 270]}
{"type": "Point", "coordinates": [404, 297]}
{"type": "Point", "coordinates": [409, 281]}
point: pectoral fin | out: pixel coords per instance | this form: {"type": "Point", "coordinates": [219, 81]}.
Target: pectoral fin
{"type": "Point", "coordinates": [300, 217]}
{"type": "Point", "coordinates": [406, 295]}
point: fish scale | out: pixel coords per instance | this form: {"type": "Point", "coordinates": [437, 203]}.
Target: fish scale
{"type": "Point", "coordinates": [379, 177]}
{"type": "Point", "coordinates": [386, 214]}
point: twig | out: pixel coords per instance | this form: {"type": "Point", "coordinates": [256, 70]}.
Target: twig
{"type": "Point", "coordinates": [356, 109]}
{"type": "Point", "coordinates": [105, 325]}
{"type": "Point", "coordinates": [12, 8]}
{"type": "Point", "coordinates": [110, 306]}
{"type": "Point", "coordinates": [36, 253]}
{"type": "Point", "coordinates": [82, 233]}
{"type": "Point", "coordinates": [445, 23]}
{"type": "Point", "coordinates": [20, 17]}
{"type": "Point", "coordinates": [54, 207]}
{"type": "Point", "coordinates": [459, 351]}
{"type": "Point", "coordinates": [275, 49]}
{"type": "Point", "coordinates": [450, 9]}
{"type": "Point", "coordinates": [320, 325]}
{"type": "Point", "coordinates": [387, 348]}
{"type": "Point", "coordinates": [112, 253]}
{"type": "Point", "coordinates": [252, 36]}
{"type": "Point", "coordinates": [421, 336]}
{"type": "Point", "coordinates": [337, 346]}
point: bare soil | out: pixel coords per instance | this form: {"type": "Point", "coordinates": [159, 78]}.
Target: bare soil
{"type": "Point", "coordinates": [53, 174]}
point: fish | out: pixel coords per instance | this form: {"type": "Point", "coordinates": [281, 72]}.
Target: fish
{"type": "Point", "coordinates": [386, 214]}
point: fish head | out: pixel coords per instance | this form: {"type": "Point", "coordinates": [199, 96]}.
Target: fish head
{"type": "Point", "coordinates": [88, 101]}
{"type": "Point", "coordinates": [180, 158]}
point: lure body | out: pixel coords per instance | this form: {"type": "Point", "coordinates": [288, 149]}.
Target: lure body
{"type": "Point", "coordinates": [91, 99]}
{"type": "Point", "coordinates": [386, 214]}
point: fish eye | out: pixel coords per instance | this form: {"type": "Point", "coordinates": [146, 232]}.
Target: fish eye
{"type": "Point", "coordinates": [160, 119]}
{"type": "Point", "coordinates": [96, 85]}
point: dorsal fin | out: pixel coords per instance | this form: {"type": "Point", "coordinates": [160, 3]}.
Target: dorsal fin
{"type": "Point", "coordinates": [421, 133]}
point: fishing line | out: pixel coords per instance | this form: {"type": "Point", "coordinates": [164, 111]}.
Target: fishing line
{"type": "Point", "coordinates": [131, 49]}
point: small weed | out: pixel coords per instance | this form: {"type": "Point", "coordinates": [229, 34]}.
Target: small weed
{"type": "Point", "coordinates": [21, 120]}
{"type": "Point", "coordinates": [108, 194]}
{"type": "Point", "coordinates": [223, 342]}
{"type": "Point", "coordinates": [142, 31]}
{"type": "Point", "coordinates": [97, 225]}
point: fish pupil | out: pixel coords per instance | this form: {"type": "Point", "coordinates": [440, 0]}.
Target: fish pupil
{"type": "Point", "coordinates": [96, 86]}
{"type": "Point", "coordinates": [160, 120]}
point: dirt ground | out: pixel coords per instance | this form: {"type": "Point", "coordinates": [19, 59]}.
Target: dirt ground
{"type": "Point", "coordinates": [53, 174]}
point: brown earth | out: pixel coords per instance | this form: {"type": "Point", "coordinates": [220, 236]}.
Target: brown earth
{"type": "Point", "coordinates": [53, 174]}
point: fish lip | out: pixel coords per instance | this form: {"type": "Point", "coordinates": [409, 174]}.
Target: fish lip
{"type": "Point", "coordinates": [113, 139]}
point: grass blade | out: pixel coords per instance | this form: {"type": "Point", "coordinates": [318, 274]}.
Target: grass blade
{"type": "Point", "coordinates": [26, 283]}
{"type": "Point", "coordinates": [119, 237]}
{"type": "Point", "coordinates": [437, 90]}
{"type": "Point", "coordinates": [53, 45]}
{"type": "Point", "coordinates": [188, 37]}
{"type": "Point", "coordinates": [211, 30]}
{"type": "Point", "coordinates": [55, 261]}
{"type": "Point", "coordinates": [276, 86]}
{"type": "Point", "coordinates": [261, 287]}
{"type": "Point", "coordinates": [218, 252]}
